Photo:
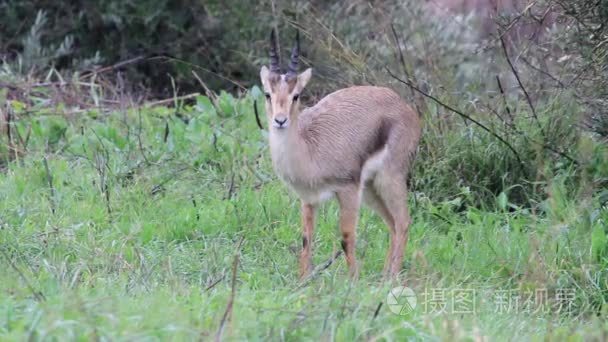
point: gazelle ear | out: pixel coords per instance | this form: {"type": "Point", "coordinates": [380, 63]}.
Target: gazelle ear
{"type": "Point", "coordinates": [303, 78]}
{"type": "Point", "coordinates": [264, 76]}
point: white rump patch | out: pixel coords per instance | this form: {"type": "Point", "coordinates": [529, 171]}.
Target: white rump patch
{"type": "Point", "coordinates": [373, 164]}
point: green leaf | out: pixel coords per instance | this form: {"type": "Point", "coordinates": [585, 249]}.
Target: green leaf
{"type": "Point", "coordinates": [226, 103]}
{"type": "Point", "coordinates": [18, 106]}
{"type": "Point", "coordinates": [204, 105]}
{"type": "Point", "coordinates": [256, 92]}
{"type": "Point", "coordinates": [56, 130]}
{"type": "Point", "coordinates": [502, 201]}
{"type": "Point", "coordinates": [598, 243]}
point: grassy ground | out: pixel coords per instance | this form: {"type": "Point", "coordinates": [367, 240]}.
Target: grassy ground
{"type": "Point", "coordinates": [126, 226]}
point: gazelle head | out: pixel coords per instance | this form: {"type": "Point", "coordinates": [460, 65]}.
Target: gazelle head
{"type": "Point", "coordinates": [282, 91]}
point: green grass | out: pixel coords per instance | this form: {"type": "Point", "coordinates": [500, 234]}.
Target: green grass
{"type": "Point", "coordinates": [138, 237]}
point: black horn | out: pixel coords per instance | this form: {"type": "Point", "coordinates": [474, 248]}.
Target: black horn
{"type": "Point", "coordinates": [295, 53]}
{"type": "Point", "coordinates": [274, 55]}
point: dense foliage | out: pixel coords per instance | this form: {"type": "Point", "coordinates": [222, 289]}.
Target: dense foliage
{"type": "Point", "coordinates": [590, 41]}
{"type": "Point", "coordinates": [214, 35]}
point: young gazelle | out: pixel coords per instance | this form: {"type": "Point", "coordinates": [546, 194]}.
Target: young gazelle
{"type": "Point", "coordinates": [356, 143]}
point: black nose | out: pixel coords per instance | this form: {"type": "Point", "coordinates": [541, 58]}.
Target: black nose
{"type": "Point", "coordinates": [280, 120]}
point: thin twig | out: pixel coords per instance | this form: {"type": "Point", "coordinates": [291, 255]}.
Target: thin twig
{"type": "Point", "coordinates": [114, 66]}
{"type": "Point", "coordinates": [215, 283]}
{"type": "Point", "coordinates": [401, 58]}
{"type": "Point", "coordinates": [139, 141]}
{"type": "Point", "coordinates": [230, 187]}
{"type": "Point", "coordinates": [320, 269]}
{"type": "Point", "coordinates": [170, 100]}
{"type": "Point", "coordinates": [543, 143]}
{"type": "Point", "coordinates": [49, 178]}
{"type": "Point", "coordinates": [257, 115]}
{"type": "Point", "coordinates": [521, 85]}
{"type": "Point", "coordinates": [406, 71]}
{"type": "Point", "coordinates": [504, 97]}
{"type": "Point", "coordinates": [485, 128]}
{"type": "Point", "coordinates": [377, 310]}
{"type": "Point", "coordinates": [37, 294]}
{"type": "Point", "coordinates": [198, 216]}
{"type": "Point", "coordinates": [166, 133]}
{"type": "Point", "coordinates": [508, 28]}
{"type": "Point", "coordinates": [24, 142]}
{"type": "Point", "coordinates": [346, 298]}
{"type": "Point", "coordinates": [11, 148]}
{"type": "Point", "coordinates": [327, 263]}
{"type": "Point", "coordinates": [456, 111]}
{"type": "Point", "coordinates": [103, 168]}
{"type": "Point", "coordinates": [175, 59]}
{"type": "Point", "coordinates": [531, 66]}
{"type": "Point", "coordinates": [208, 91]}
{"type": "Point", "coordinates": [229, 306]}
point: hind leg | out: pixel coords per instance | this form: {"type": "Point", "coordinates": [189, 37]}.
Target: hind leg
{"type": "Point", "coordinates": [376, 203]}
{"type": "Point", "coordinates": [392, 189]}
{"type": "Point", "coordinates": [373, 200]}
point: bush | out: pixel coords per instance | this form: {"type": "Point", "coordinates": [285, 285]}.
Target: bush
{"type": "Point", "coordinates": [213, 35]}
{"type": "Point", "coordinates": [588, 36]}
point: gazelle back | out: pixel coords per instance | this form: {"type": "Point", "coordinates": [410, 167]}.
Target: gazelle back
{"type": "Point", "coordinates": [356, 144]}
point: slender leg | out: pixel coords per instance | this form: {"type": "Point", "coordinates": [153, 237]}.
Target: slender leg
{"type": "Point", "coordinates": [376, 203]}
{"type": "Point", "coordinates": [399, 240]}
{"type": "Point", "coordinates": [393, 191]}
{"type": "Point", "coordinates": [349, 200]}
{"type": "Point", "coordinates": [308, 226]}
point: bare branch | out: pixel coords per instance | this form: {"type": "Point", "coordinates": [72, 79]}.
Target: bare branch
{"type": "Point", "coordinates": [118, 65]}
{"type": "Point", "coordinates": [456, 111]}
{"type": "Point", "coordinates": [49, 178]}
{"type": "Point", "coordinates": [504, 97]}
{"type": "Point", "coordinates": [171, 100]}
{"type": "Point", "coordinates": [320, 269]}
{"type": "Point", "coordinates": [37, 294]}
{"type": "Point", "coordinates": [521, 85]}
{"type": "Point", "coordinates": [212, 285]}
{"type": "Point", "coordinates": [420, 105]}
{"type": "Point", "coordinates": [228, 311]}
{"type": "Point", "coordinates": [11, 148]}
{"type": "Point", "coordinates": [377, 310]}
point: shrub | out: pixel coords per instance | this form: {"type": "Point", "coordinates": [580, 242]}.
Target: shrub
{"type": "Point", "coordinates": [213, 35]}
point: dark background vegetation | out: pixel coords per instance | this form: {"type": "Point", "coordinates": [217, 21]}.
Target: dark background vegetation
{"type": "Point", "coordinates": [78, 35]}
{"type": "Point", "coordinates": [528, 78]}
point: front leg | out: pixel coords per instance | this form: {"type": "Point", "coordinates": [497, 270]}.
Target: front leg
{"type": "Point", "coordinates": [349, 200]}
{"type": "Point", "coordinates": [308, 226]}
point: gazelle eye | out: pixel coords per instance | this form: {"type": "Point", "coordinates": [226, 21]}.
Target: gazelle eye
{"type": "Point", "coordinates": [296, 97]}
{"type": "Point", "coordinates": [267, 96]}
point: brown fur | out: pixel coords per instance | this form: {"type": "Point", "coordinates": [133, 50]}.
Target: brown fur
{"type": "Point", "coordinates": [356, 144]}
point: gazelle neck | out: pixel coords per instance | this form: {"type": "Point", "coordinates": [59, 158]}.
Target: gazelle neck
{"type": "Point", "coordinates": [288, 151]}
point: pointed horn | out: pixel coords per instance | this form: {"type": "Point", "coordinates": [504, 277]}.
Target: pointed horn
{"type": "Point", "coordinates": [274, 56]}
{"type": "Point", "coordinates": [295, 53]}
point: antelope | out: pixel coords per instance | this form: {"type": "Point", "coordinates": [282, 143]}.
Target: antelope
{"type": "Point", "coordinates": [356, 144]}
